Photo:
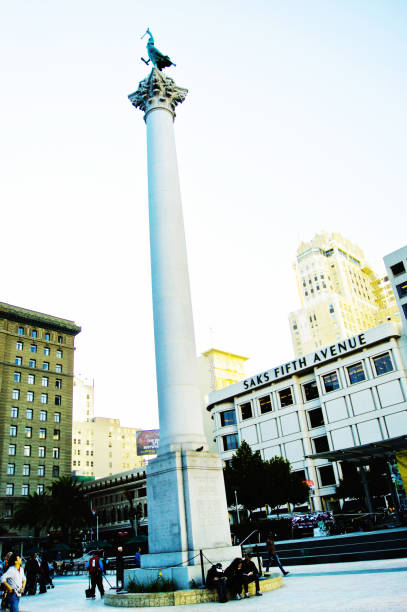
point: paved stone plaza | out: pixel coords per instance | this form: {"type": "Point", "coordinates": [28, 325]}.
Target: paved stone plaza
{"type": "Point", "coordinates": [365, 586]}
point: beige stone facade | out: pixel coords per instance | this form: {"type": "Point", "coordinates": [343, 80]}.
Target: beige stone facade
{"type": "Point", "coordinates": [340, 294]}
{"type": "Point", "coordinates": [36, 381]}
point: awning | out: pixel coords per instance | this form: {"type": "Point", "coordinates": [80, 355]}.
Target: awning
{"type": "Point", "coordinates": [365, 452]}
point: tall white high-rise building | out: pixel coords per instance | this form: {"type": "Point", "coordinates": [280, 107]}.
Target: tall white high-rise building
{"type": "Point", "coordinates": [83, 398]}
{"type": "Point", "coordinates": [340, 293]}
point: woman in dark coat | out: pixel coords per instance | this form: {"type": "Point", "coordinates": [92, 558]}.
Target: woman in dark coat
{"type": "Point", "coordinates": [233, 574]}
{"type": "Point", "coordinates": [45, 578]}
{"type": "Point", "coordinates": [31, 572]}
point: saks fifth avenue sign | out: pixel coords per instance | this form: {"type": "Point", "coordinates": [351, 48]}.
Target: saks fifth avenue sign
{"type": "Point", "coordinates": [311, 360]}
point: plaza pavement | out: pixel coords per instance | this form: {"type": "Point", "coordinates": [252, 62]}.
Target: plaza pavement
{"type": "Point", "coordinates": [362, 586]}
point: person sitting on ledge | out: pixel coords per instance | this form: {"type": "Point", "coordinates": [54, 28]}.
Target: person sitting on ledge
{"type": "Point", "coordinates": [234, 576]}
{"type": "Point", "coordinates": [250, 574]}
{"type": "Point", "coordinates": [216, 579]}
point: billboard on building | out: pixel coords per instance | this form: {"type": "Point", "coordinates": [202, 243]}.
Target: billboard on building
{"type": "Point", "coordinates": [147, 441]}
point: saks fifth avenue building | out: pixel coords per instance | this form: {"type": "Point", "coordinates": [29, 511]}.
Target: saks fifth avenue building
{"type": "Point", "coordinates": [345, 395]}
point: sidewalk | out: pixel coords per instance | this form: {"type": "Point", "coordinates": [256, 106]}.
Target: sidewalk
{"type": "Point", "coordinates": [363, 586]}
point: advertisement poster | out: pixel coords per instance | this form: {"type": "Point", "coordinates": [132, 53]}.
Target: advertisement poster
{"type": "Point", "coordinates": [147, 441]}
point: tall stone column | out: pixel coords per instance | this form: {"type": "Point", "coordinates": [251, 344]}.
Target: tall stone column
{"type": "Point", "coordinates": [185, 488]}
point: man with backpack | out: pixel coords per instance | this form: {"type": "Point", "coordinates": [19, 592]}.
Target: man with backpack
{"type": "Point", "coordinates": [95, 567]}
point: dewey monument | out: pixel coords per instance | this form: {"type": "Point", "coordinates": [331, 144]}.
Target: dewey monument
{"type": "Point", "coordinates": [187, 508]}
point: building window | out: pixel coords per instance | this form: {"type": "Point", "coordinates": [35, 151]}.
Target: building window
{"type": "Point", "coordinates": [57, 417]}
{"type": "Point", "coordinates": [321, 444]}
{"type": "Point", "coordinates": [41, 452]}
{"type": "Point", "coordinates": [398, 268]}
{"type": "Point", "coordinates": [28, 432]}
{"type": "Point", "coordinates": [25, 489]}
{"type": "Point", "coordinates": [43, 433]}
{"type": "Point", "coordinates": [44, 381]}
{"type": "Point", "coordinates": [383, 364]}
{"type": "Point", "coordinates": [47, 351]}
{"type": "Point", "coordinates": [230, 442]}
{"type": "Point", "coordinates": [21, 331]}
{"type": "Point", "coordinates": [34, 333]}
{"type": "Point", "coordinates": [18, 361]}
{"type": "Point", "coordinates": [265, 404]}
{"type": "Point", "coordinates": [58, 368]}
{"type": "Point", "coordinates": [286, 397]}
{"type": "Point", "coordinates": [60, 339]}
{"type": "Point", "coordinates": [19, 346]}
{"type": "Point", "coordinates": [402, 289]}
{"type": "Point", "coordinates": [57, 434]}
{"type": "Point", "coordinates": [30, 396]}
{"type": "Point", "coordinates": [227, 417]}
{"type": "Point", "coordinates": [43, 415]}
{"type": "Point", "coordinates": [26, 469]}
{"type": "Point", "coordinates": [11, 469]}
{"type": "Point", "coordinates": [47, 336]}
{"type": "Point", "coordinates": [55, 471]}
{"type": "Point", "coordinates": [45, 365]}
{"type": "Point", "coordinates": [27, 451]}
{"type": "Point", "coordinates": [44, 398]}
{"type": "Point", "coordinates": [331, 382]}
{"type": "Point", "coordinates": [33, 348]}
{"type": "Point", "coordinates": [316, 418]}
{"type": "Point", "coordinates": [356, 373]}
{"type": "Point", "coordinates": [59, 354]}
{"type": "Point", "coordinates": [326, 475]}
{"type": "Point", "coordinates": [55, 453]}
{"type": "Point", "coordinates": [32, 363]}
{"type": "Point", "coordinates": [58, 383]}
{"type": "Point", "coordinates": [310, 390]}
{"type": "Point", "coordinates": [29, 413]}
{"type": "Point", "coordinates": [31, 379]}
{"type": "Point", "coordinates": [246, 411]}
{"type": "Point", "coordinates": [13, 431]}
{"type": "Point", "coordinates": [14, 412]}
{"type": "Point", "coordinates": [12, 449]}
{"type": "Point", "coordinates": [40, 489]}
{"type": "Point", "coordinates": [58, 400]}
{"type": "Point", "coordinates": [15, 394]}
{"type": "Point", "coordinates": [17, 377]}
{"type": "Point", "coordinates": [41, 470]}
{"type": "Point", "coordinates": [9, 489]}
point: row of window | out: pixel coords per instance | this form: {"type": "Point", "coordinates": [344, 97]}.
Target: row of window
{"type": "Point", "coordinates": [33, 349]}
{"type": "Point", "coordinates": [35, 334]}
{"type": "Point", "coordinates": [12, 451]}
{"type": "Point", "coordinates": [26, 470]}
{"type": "Point", "coordinates": [25, 489]}
{"type": "Point", "coordinates": [28, 431]}
{"type": "Point", "coordinates": [356, 372]}
{"type": "Point", "coordinates": [32, 363]}
{"type": "Point", "coordinates": [31, 380]}
{"type": "Point", "coordinates": [15, 395]}
{"type": "Point", "coordinates": [78, 463]}
{"type": "Point", "coordinates": [29, 414]}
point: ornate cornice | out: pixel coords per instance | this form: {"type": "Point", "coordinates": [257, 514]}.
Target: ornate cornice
{"type": "Point", "coordinates": [157, 91]}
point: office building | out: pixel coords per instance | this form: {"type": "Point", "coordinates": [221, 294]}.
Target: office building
{"type": "Point", "coordinates": [340, 294]}
{"type": "Point", "coordinates": [83, 398]}
{"type": "Point", "coordinates": [36, 374]}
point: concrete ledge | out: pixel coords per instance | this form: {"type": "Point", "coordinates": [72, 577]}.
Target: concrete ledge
{"type": "Point", "coordinates": [180, 598]}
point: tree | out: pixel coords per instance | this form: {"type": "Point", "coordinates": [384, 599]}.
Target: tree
{"type": "Point", "coordinates": [32, 512]}
{"type": "Point", "coordinates": [69, 510]}
{"type": "Point", "coordinates": [245, 474]}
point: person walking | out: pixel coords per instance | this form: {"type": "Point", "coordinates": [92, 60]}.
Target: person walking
{"type": "Point", "coordinates": [216, 579]}
{"type": "Point", "coordinates": [250, 574]}
{"type": "Point", "coordinates": [234, 577]}
{"type": "Point", "coordinates": [119, 568]}
{"type": "Point", "coordinates": [14, 582]}
{"type": "Point", "coordinates": [272, 555]}
{"type": "Point", "coordinates": [95, 567]}
{"type": "Point", "coordinates": [31, 571]}
{"type": "Point", "coordinates": [45, 577]}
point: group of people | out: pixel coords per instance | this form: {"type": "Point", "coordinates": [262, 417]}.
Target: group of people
{"type": "Point", "coordinates": [97, 566]}
{"type": "Point", "coordinates": [38, 572]}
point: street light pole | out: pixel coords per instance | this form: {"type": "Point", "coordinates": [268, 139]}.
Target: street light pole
{"type": "Point", "coordinates": [237, 508]}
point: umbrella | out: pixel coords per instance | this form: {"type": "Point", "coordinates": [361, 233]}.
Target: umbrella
{"type": "Point", "coordinates": [137, 539]}
{"type": "Point", "coordinates": [60, 547]}
{"type": "Point", "coordinates": [97, 544]}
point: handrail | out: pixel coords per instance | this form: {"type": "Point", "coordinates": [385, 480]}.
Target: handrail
{"type": "Point", "coordinates": [249, 536]}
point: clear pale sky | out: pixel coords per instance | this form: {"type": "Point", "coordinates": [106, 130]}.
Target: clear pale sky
{"type": "Point", "coordinates": [295, 122]}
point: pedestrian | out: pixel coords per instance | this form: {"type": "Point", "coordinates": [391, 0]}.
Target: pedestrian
{"type": "Point", "coordinates": [137, 557]}
{"type": "Point", "coordinates": [272, 555]}
{"type": "Point", "coordinates": [31, 572]}
{"type": "Point", "coordinates": [14, 582]}
{"type": "Point", "coordinates": [216, 579]}
{"type": "Point", "coordinates": [3, 588]}
{"type": "Point", "coordinates": [95, 567]}
{"type": "Point", "coordinates": [119, 568]}
{"type": "Point", "coordinates": [250, 574]}
{"type": "Point", "coordinates": [45, 577]}
{"type": "Point", "coordinates": [234, 577]}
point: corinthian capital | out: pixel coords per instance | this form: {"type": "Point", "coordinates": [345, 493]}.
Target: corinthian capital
{"type": "Point", "coordinates": [157, 91]}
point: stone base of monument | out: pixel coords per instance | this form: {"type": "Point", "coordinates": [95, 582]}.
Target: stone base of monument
{"type": "Point", "coordinates": [181, 597]}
